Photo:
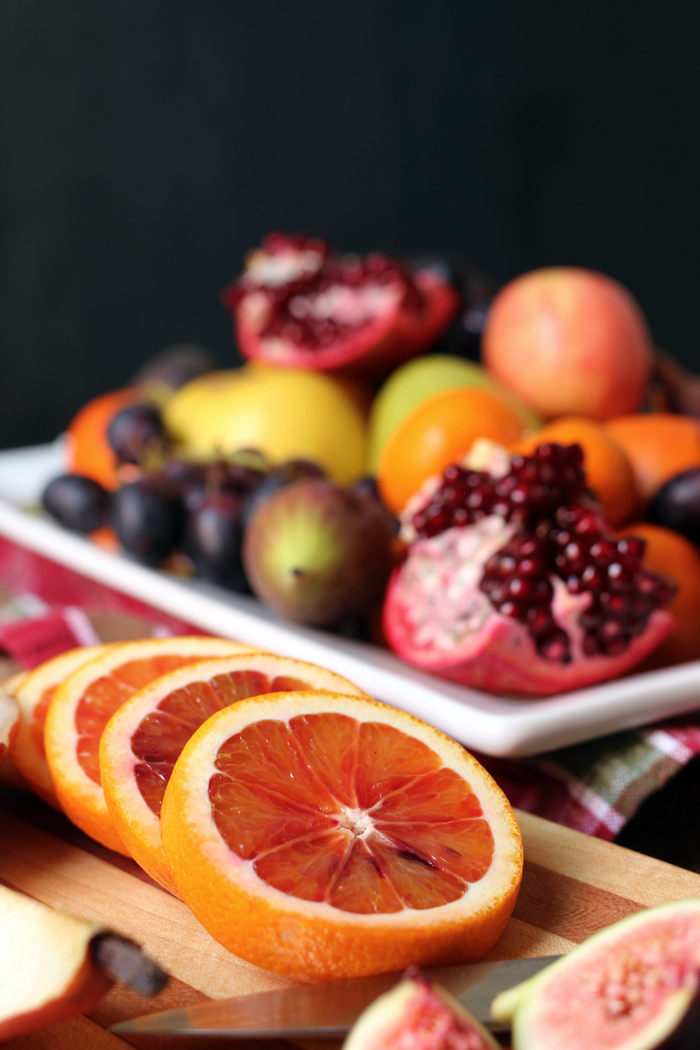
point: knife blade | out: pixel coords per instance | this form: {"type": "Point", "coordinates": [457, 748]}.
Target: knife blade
{"type": "Point", "coordinates": [330, 1009]}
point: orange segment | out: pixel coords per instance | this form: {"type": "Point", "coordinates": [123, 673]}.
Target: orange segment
{"type": "Point", "coordinates": [34, 695]}
{"type": "Point", "coordinates": [82, 706]}
{"type": "Point", "coordinates": [359, 838]}
{"type": "Point", "coordinates": [432, 813]}
{"type": "Point", "coordinates": [106, 695]}
{"type": "Point", "coordinates": [146, 736]}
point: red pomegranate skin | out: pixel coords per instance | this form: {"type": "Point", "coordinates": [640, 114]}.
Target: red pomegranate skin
{"type": "Point", "coordinates": [368, 347]}
{"type": "Point", "coordinates": [514, 583]}
{"type": "Point", "coordinates": [569, 341]}
{"type": "Point", "coordinates": [502, 658]}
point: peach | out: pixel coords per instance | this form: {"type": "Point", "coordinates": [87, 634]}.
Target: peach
{"type": "Point", "coordinates": [569, 341]}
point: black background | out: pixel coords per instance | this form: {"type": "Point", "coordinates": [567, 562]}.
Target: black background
{"type": "Point", "coordinates": [147, 144]}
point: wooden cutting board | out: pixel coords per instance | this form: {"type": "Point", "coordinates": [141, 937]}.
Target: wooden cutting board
{"type": "Point", "coordinates": [573, 885]}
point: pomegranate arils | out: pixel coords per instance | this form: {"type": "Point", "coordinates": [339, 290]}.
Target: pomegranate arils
{"type": "Point", "coordinates": [562, 533]}
{"type": "Point", "coordinates": [325, 297]}
{"type": "Point", "coordinates": [535, 487]}
{"type": "Point", "coordinates": [516, 582]}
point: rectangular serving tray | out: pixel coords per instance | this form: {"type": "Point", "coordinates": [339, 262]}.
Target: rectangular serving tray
{"type": "Point", "coordinates": [491, 724]}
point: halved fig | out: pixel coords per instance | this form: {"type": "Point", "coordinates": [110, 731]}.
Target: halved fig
{"type": "Point", "coordinates": [298, 305]}
{"type": "Point", "coordinates": [418, 1014]}
{"type": "Point", "coordinates": [632, 986]}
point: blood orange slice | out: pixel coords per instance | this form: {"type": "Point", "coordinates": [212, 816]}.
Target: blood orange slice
{"type": "Point", "coordinates": [326, 836]}
{"type": "Point", "coordinates": [33, 694]}
{"type": "Point", "coordinates": [84, 703]}
{"type": "Point", "coordinates": [8, 770]}
{"type": "Point", "coordinates": [144, 738]}
{"type": "Point", "coordinates": [9, 720]}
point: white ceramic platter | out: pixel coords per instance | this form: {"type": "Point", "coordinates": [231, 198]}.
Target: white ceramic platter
{"type": "Point", "coordinates": [486, 723]}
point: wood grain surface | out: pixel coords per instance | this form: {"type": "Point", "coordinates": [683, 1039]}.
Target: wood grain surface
{"type": "Point", "coordinates": [572, 886]}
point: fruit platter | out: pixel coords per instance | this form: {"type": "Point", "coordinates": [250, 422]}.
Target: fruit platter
{"type": "Point", "coordinates": [482, 507]}
{"type": "Point", "coordinates": [352, 529]}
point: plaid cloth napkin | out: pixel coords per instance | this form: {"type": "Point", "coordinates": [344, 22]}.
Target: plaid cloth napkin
{"type": "Point", "coordinates": [597, 787]}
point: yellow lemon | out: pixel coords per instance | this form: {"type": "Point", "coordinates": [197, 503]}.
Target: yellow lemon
{"type": "Point", "coordinates": [286, 413]}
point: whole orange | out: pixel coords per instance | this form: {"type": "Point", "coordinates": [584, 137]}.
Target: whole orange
{"type": "Point", "coordinates": [608, 470]}
{"type": "Point", "coordinates": [679, 559]}
{"type": "Point", "coordinates": [568, 341]}
{"type": "Point", "coordinates": [440, 431]}
{"type": "Point", "coordinates": [89, 452]}
{"type": "Point", "coordinates": [659, 445]}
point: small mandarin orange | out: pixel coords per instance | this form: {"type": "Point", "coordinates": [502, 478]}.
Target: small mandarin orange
{"type": "Point", "coordinates": [89, 452]}
{"type": "Point", "coordinates": [438, 432]}
{"type": "Point", "coordinates": [679, 559]}
{"type": "Point", "coordinates": [659, 445]}
{"type": "Point", "coordinates": [608, 470]}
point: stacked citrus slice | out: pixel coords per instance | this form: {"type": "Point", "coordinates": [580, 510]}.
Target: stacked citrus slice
{"type": "Point", "coordinates": [33, 693]}
{"type": "Point", "coordinates": [144, 738]}
{"type": "Point", "coordinates": [83, 704]}
{"type": "Point", "coordinates": [9, 726]}
{"type": "Point", "coordinates": [9, 720]}
{"type": "Point", "coordinates": [324, 835]}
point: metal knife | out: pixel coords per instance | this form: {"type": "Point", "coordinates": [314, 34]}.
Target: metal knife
{"type": "Point", "coordinates": [330, 1009]}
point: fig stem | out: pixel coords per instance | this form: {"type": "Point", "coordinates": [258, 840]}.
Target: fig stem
{"type": "Point", "coordinates": [124, 962]}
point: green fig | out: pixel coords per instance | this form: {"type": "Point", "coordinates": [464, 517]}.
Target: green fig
{"type": "Point", "coordinates": [318, 553]}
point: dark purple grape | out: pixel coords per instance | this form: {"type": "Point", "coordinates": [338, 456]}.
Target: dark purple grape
{"type": "Point", "coordinates": [135, 431]}
{"type": "Point", "coordinates": [293, 470]}
{"type": "Point", "coordinates": [677, 504]}
{"type": "Point", "coordinates": [77, 503]}
{"type": "Point", "coordinates": [148, 519]}
{"type": "Point", "coordinates": [183, 477]}
{"type": "Point", "coordinates": [213, 538]}
{"type": "Point", "coordinates": [195, 483]}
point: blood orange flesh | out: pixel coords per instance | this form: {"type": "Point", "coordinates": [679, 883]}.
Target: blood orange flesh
{"type": "Point", "coordinates": [106, 694]}
{"type": "Point", "coordinates": [162, 734]}
{"type": "Point", "coordinates": [358, 838]}
{"type": "Point", "coordinates": [83, 704]}
{"type": "Point", "coordinates": [359, 815]}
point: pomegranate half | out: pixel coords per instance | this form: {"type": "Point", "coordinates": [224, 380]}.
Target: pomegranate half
{"type": "Point", "coordinates": [515, 583]}
{"type": "Point", "coordinates": [298, 305]}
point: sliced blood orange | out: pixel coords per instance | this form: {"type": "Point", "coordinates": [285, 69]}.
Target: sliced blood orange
{"type": "Point", "coordinates": [9, 721]}
{"type": "Point", "coordinates": [10, 718]}
{"type": "Point", "coordinates": [33, 694]}
{"type": "Point", "coordinates": [144, 738]}
{"type": "Point", "coordinates": [84, 703]}
{"type": "Point", "coordinates": [326, 836]}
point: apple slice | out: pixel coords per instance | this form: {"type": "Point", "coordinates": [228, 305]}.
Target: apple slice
{"type": "Point", "coordinates": [53, 965]}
